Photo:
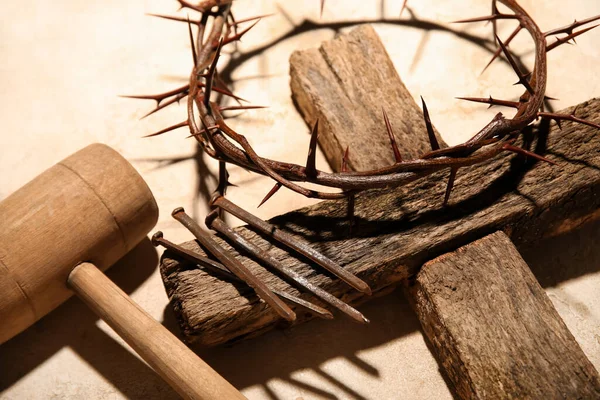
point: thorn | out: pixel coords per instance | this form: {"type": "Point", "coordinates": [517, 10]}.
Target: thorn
{"type": "Point", "coordinates": [395, 148]}
{"type": "Point", "coordinates": [495, 8]}
{"type": "Point", "coordinates": [559, 124]}
{"type": "Point", "coordinates": [159, 97]}
{"type": "Point", "coordinates": [527, 153]}
{"type": "Point", "coordinates": [167, 103]}
{"type": "Point", "coordinates": [211, 75]}
{"type": "Point", "coordinates": [226, 92]}
{"type": "Point", "coordinates": [194, 55]}
{"type": "Point", "coordinates": [179, 19]}
{"type": "Point", "coordinates": [402, 8]}
{"type": "Point", "coordinates": [322, 7]}
{"type": "Point", "coordinates": [449, 186]}
{"type": "Point", "coordinates": [248, 107]}
{"type": "Point", "coordinates": [492, 102]}
{"type": "Point", "coordinates": [311, 169]}
{"type": "Point", "coordinates": [270, 194]}
{"type": "Point", "coordinates": [173, 127]}
{"type": "Point", "coordinates": [499, 49]}
{"type": "Point", "coordinates": [200, 7]}
{"type": "Point", "coordinates": [205, 130]}
{"type": "Point", "coordinates": [238, 36]}
{"type": "Point", "coordinates": [432, 139]}
{"type": "Point", "coordinates": [494, 22]}
{"type": "Point", "coordinates": [572, 117]}
{"type": "Point", "coordinates": [522, 78]}
{"type": "Point", "coordinates": [567, 38]}
{"type": "Point", "coordinates": [486, 18]}
{"type": "Point", "coordinates": [185, 4]}
{"type": "Point", "coordinates": [223, 183]}
{"type": "Point", "coordinates": [569, 28]}
{"type": "Point", "coordinates": [344, 166]}
{"type": "Point", "coordinates": [241, 21]}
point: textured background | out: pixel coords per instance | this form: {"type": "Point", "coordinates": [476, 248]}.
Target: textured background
{"type": "Point", "coordinates": [65, 63]}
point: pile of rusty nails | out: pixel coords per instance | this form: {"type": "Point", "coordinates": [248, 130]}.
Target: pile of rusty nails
{"type": "Point", "coordinates": [229, 268]}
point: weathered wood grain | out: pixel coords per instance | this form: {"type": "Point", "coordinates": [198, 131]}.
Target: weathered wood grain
{"type": "Point", "coordinates": [398, 230]}
{"type": "Point", "coordinates": [345, 84]}
{"type": "Point", "coordinates": [494, 329]}
{"type": "Point", "coordinates": [491, 326]}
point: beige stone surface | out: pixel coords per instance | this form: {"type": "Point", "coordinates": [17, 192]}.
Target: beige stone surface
{"type": "Point", "coordinates": [64, 65]}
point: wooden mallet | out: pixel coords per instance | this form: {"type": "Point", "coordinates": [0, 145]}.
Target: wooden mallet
{"type": "Point", "coordinates": [60, 231]}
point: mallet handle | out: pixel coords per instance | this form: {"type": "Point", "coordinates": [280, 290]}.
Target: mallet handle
{"type": "Point", "coordinates": [191, 377]}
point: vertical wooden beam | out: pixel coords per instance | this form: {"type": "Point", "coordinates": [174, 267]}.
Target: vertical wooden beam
{"type": "Point", "coordinates": [345, 84]}
{"type": "Point", "coordinates": [493, 328]}
{"type": "Point", "coordinates": [491, 325]}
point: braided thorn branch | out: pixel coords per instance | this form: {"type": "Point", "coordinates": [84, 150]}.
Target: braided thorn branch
{"type": "Point", "coordinates": [228, 146]}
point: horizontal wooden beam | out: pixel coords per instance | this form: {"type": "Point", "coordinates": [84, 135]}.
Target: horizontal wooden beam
{"type": "Point", "coordinates": [491, 326]}
{"type": "Point", "coordinates": [397, 230]}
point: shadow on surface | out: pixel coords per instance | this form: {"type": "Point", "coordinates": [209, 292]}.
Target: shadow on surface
{"type": "Point", "coordinates": [74, 325]}
{"type": "Point", "coordinates": [280, 354]}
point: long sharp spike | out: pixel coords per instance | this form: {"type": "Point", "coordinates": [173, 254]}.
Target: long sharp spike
{"type": "Point", "coordinates": [233, 108]}
{"type": "Point", "coordinates": [523, 78]}
{"type": "Point", "coordinates": [256, 252]}
{"type": "Point", "coordinates": [450, 185]}
{"type": "Point", "coordinates": [170, 128]}
{"type": "Point", "coordinates": [573, 118]}
{"type": "Point", "coordinates": [390, 132]}
{"type": "Point", "coordinates": [499, 49]}
{"type": "Point", "coordinates": [167, 103]}
{"type": "Point", "coordinates": [486, 18]}
{"type": "Point", "coordinates": [403, 7]}
{"type": "Point", "coordinates": [240, 270]}
{"type": "Point", "coordinates": [492, 102]}
{"type": "Point", "coordinates": [568, 29]}
{"type": "Point", "coordinates": [238, 36]}
{"type": "Point", "coordinates": [169, 17]}
{"type": "Point", "coordinates": [494, 21]}
{"type": "Point", "coordinates": [194, 55]}
{"type": "Point", "coordinates": [344, 166]}
{"type": "Point", "coordinates": [527, 153]}
{"type": "Point", "coordinates": [220, 270]}
{"type": "Point", "coordinates": [161, 96]}
{"type": "Point", "coordinates": [432, 139]}
{"type": "Point", "coordinates": [293, 242]}
{"type": "Point", "coordinates": [567, 38]}
{"type": "Point", "coordinates": [203, 131]}
{"type": "Point", "coordinates": [241, 21]}
{"type": "Point", "coordinates": [211, 75]}
{"type": "Point", "coordinates": [270, 194]}
{"type": "Point", "coordinates": [311, 160]}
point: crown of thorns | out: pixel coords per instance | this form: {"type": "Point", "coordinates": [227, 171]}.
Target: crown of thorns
{"type": "Point", "coordinates": [207, 124]}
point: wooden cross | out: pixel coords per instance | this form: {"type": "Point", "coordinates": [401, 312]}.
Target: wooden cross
{"type": "Point", "coordinates": [491, 325]}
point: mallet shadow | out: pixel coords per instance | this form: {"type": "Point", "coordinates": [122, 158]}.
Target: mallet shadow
{"type": "Point", "coordinates": [75, 326]}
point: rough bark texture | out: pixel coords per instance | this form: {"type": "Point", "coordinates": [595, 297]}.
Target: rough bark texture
{"type": "Point", "coordinates": [494, 329]}
{"type": "Point", "coordinates": [344, 84]}
{"type": "Point", "coordinates": [398, 230]}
